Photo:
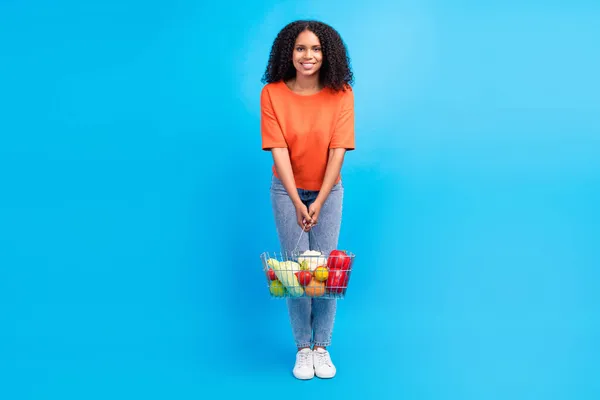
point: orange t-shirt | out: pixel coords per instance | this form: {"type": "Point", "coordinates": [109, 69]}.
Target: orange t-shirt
{"type": "Point", "coordinates": [308, 126]}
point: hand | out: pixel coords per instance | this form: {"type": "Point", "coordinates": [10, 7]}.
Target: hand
{"type": "Point", "coordinates": [303, 217]}
{"type": "Point", "coordinates": [314, 210]}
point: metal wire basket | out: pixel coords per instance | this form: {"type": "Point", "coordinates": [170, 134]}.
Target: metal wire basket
{"type": "Point", "coordinates": [308, 274]}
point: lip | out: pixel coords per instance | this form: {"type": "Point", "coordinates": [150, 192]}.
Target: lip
{"type": "Point", "coordinates": [308, 66]}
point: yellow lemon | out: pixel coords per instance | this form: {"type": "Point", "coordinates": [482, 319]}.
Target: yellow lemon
{"type": "Point", "coordinates": [321, 273]}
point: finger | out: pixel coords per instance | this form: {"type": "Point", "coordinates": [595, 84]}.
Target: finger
{"type": "Point", "coordinates": [305, 224]}
{"type": "Point", "coordinates": [308, 218]}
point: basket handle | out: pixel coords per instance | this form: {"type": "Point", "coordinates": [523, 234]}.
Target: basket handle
{"type": "Point", "coordinates": [300, 237]}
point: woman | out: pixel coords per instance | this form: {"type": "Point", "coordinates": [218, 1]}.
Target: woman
{"type": "Point", "coordinates": [307, 122]}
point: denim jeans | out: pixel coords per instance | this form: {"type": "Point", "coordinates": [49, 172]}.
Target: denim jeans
{"type": "Point", "coordinates": [311, 318]}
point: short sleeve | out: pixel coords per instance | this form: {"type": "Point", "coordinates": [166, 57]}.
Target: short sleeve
{"type": "Point", "coordinates": [272, 135]}
{"type": "Point", "coordinates": [343, 134]}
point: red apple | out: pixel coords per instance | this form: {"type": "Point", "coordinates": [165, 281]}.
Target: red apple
{"type": "Point", "coordinates": [304, 277]}
{"type": "Point", "coordinates": [271, 274]}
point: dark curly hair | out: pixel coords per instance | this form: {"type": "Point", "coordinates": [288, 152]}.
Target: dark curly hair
{"type": "Point", "coordinates": [335, 72]}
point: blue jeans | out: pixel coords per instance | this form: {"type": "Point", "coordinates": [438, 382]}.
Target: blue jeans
{"type": "Point", "coordinates": [311, 318]}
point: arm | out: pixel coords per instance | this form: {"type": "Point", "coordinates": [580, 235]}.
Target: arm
{"type": "Point", "coordinates": [334, 166]}
{"type": "Point", "coordinates": [283, 166]}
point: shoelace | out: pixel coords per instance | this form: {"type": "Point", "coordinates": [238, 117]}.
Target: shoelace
{"type": "Point", "coordinates": [322, 359]}
{"type": "Point", "coordinates": [304, 359]}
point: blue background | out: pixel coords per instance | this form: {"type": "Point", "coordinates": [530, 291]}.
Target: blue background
{"type": "Point", "coordinates": [134, 201]}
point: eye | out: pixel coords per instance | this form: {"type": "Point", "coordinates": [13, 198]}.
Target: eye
{"type": "Point", "coordinates": [299, 48]}
{"type": "Point", "coordinates": [317, 49]}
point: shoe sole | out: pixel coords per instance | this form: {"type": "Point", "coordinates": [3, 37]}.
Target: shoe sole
{"type": "Point", "coordinates": [303, 378]}
{"type": "Point", "coordinates": [325, 376]}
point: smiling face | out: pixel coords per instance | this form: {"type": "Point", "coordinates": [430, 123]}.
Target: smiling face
{"type": "Point", "coordinates": [307, 56]}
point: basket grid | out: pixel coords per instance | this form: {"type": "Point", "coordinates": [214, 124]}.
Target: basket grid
{"type": "Point", "coordinates": [307, 274]}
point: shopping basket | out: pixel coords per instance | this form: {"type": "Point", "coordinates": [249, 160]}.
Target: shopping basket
{"type": "Point", "coordinates": [309, 273]}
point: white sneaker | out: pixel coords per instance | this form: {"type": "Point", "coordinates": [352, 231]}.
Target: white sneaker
{"type": "Point", "coordinates": [304, 365]}
{"type": "Point", "coordinates": [324, 368]}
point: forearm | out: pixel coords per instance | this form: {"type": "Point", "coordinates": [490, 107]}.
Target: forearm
{"type": "Point", "coordinates": [283, 166]}
{"type": "Point", "coordinates": [334, 166]}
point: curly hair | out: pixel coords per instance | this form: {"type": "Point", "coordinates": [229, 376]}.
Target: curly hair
{"type": "Point", "coordinates": [335, 73]}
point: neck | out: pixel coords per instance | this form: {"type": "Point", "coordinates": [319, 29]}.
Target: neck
{"type": "Point", "coordinates": [303, 83]}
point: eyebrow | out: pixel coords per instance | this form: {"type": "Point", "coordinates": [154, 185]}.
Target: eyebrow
{"type": "Point", "coordinates": [303, 45]}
